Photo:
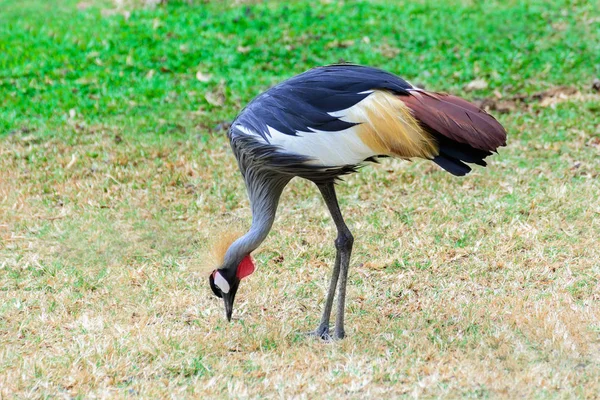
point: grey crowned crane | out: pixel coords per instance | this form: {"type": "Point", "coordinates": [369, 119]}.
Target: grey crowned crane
{"type": "Point", "coordinates": [325, 123]}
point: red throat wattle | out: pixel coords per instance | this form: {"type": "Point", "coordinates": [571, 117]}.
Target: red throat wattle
{"type": "Point", "coordinates": [245, 268]}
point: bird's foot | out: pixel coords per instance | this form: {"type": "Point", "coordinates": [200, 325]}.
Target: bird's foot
{"type": "Point", "coordinates": [322, 332]}
{"type": "Point", "coordinates": [339, 334]}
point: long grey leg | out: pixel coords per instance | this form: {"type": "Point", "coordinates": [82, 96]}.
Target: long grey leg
{"type": "Point", "coordinates": [323, 329]}
{"type": "Point", "coordinates": [343, 245]}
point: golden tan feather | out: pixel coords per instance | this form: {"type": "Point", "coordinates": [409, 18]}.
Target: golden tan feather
{"type": "Point", "coordinates": [388, 127]}
{"type": "Point", "coordinates": [212, 255]}
{"type": "Point", "coordinates": [219, 247]}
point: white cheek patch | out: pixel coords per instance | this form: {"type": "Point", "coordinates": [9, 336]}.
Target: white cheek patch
{"type": "Point", "coordinates": [221, 283]}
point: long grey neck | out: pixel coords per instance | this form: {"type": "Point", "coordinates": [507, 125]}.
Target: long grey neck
{"type": "Point", "coordinates": [264, 192]}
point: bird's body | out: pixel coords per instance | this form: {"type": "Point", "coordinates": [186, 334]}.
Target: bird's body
{"type": "Point", "coordinates": [325, 123]}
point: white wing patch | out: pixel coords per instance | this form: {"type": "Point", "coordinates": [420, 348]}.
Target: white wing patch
{"type": "Point", "coordinates": [325, 148]}
{"type": "Point", "coordinates": [247, 131]}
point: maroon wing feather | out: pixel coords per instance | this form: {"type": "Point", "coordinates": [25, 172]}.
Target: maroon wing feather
{"type": "Point", "coordinates": [456, 119]}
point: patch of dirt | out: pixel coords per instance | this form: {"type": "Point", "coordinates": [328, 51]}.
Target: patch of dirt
{"type": "Point", "coordinates": [544, 98]}
{"type": "Point", "coordinates": [476, 84]}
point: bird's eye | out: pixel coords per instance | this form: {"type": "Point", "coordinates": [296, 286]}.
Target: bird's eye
{"type": "Point", "coordinates": [214, 287]}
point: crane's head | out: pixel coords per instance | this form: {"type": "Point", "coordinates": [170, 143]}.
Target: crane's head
{"type": "Point", "coordinates": [224, 282]}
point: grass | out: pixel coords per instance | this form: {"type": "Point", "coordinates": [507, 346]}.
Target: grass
{"type": "Point", "coordinates": [116, 174]}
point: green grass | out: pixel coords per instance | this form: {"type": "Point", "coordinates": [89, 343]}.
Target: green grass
{"type": "Point", "coordinates": [140, 72]}
{"type": "Point", "coordinates": [115, 175]}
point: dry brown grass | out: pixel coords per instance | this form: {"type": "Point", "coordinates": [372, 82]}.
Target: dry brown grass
{"type": "Point", "coordinates": [476, 287]}
{"type": "Point", "coordinates": [485, 286]}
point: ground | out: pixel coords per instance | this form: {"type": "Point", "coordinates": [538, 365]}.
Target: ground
{"type": "Point", "coordinates": [115, 175]}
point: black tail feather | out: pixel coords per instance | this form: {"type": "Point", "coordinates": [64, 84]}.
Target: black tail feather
{"type": "Point", "coordinates": [453, 156]}
{"type": "Point", "coordinates": [452, 165]}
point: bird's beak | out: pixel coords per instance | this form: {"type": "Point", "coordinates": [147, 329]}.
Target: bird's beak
{"type": "Point", "coordinates": [228, 299]}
